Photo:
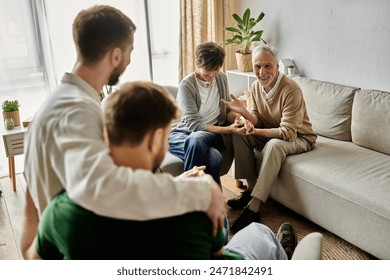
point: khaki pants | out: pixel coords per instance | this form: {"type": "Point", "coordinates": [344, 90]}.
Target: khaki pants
{"type": "Point", "coordinates": [266, 165]}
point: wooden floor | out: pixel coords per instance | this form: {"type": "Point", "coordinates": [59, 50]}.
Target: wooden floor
{"type": "Point", "coordinates": [11, 214]}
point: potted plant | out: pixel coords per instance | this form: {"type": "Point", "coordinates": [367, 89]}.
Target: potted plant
{"type": "Point", "coordinates": [244, 37]}
{"type": "Point", "coordinates": [291, 70]}
{"type": "Point", "coordinates": [11, 111]}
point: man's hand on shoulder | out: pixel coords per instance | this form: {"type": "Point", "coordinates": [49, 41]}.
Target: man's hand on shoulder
{"type": "Point", "coordinates": [216, 209]}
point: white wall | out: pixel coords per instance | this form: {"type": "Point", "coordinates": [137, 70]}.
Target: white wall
{"type": "Point", "coordinates": [60, 18]}
{"type": "Point", "coordinates": [342, 41]}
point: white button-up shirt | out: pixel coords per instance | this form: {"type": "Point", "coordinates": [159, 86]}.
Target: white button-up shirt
{"type": "Point", "coordinates": [64, 150]}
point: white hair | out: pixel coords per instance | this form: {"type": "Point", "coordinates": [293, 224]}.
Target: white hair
{"type": "Point", "coordinates": [262, 48]}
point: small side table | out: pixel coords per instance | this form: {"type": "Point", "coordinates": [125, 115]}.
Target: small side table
{"type": "Point", "coordinates": [14, 145]}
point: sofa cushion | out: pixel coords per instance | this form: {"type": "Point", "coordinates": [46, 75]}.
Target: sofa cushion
{"type": "Point", "coordinates": [329, 107]}
{"type": "Point", "coordinates": [346, 170]}
{"type": "Point", "coordinates": [371, 120]}
{"type": "Point", "coordinates": [342, 187]}
{"type": "Point", "coordinates": [172, 164]}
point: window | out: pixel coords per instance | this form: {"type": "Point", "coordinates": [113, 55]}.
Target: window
{"type": "Point", "coordinates": [22, 67]}
{"type": "Point", "coordinates": [164, 25]}
{"type": "Point", "coordinates": [36, 48]}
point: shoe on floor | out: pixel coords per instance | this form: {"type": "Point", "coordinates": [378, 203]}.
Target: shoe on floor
{"type": "Point", "coordinates": [287, 238]}
{"type": "Point", "coordinates": [246, 217]}
{"type": "Point", "coordinates": [241, 201]}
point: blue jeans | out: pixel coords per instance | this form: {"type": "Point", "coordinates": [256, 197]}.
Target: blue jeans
{"type": "Point", "coordinates": [198, 148]}
{"type": "Point", "coordinates": [256, 242]}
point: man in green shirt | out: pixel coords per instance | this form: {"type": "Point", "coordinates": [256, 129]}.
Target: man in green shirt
{"type": "Point", "coordinates": [138, 121]}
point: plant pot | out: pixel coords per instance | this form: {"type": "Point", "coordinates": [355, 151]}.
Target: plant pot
{"type": "Point", "coordinates": [244, 62]}
{"type": "Point", "coordinates": [291, 71]}
{"type": "Point", "coordinates": [14, 115]}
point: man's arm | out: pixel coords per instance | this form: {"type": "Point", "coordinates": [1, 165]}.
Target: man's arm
{"type": "Point", "coordinates": [29, 229]}
{"type": "Point", "coordinates": [79, 161]}
{"type": "Point", "coordinates": [216, 210]}
{"type": "Point", "coordinates": [237, 106]}
{"type": "Point", "coordinates": [266, 132]}
{"type": "Point", "coordinates": [95, 182]}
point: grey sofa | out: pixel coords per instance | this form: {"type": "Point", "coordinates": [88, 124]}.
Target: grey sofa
{"type": "Point", "coordinates": [343, 184]}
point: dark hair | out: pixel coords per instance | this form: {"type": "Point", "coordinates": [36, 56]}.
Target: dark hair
{"type": "Point", "coordinates": [99, 28]}
{"type": "Point", "coordinates": [136, 109]}
{"type": "Point", "coordinates": [209, 55]}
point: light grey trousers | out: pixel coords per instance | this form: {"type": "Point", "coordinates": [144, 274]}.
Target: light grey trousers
{"type": "Point", "coordinates": [266, 165]}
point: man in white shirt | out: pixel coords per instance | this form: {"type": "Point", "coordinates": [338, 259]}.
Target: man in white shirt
{"type": "Point", "coordinates": [138, 119]}
{"type": "Point", "coordinates": [64, 147]}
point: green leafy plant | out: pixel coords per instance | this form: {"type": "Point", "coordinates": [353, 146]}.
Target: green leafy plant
{"type": "Point", "coordinates": [10, 105]}
{"type": "Point", "coordinates": [245, 34]}
{"type": "Point", "coordinates": [106, 90]}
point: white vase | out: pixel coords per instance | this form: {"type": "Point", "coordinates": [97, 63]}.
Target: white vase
{"type": "Point", "coordinates": [291, 71]}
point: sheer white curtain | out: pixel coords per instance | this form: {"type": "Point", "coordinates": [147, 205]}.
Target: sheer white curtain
{"type": "Point", "coordinates": [60, 16]}
{"type": "Point", "coordinates": [25, 60]}
{"type": "Point", "coordinates": [46, 44]}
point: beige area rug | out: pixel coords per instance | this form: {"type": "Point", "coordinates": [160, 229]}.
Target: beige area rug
{"type": "Point", "coordinates": [274, 214]}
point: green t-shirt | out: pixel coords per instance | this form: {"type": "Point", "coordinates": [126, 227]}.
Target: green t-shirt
{"type": "Point", "coordinates": [69, 231]}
